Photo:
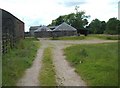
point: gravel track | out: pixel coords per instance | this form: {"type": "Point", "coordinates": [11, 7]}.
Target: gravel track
{"type": "Point", "coordinates": [65, 74]}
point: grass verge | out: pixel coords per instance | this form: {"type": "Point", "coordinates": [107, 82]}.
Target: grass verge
{"type": "Point", "coordinates": [97, 64]}
{"type": "Point", "coordinates": [69, 38]}
{"type": "Point", "coordinates": [103, 36]}
{"type": "Point", "coordinates": [89, 37]}
{"type": "Point", "coordinates": [17, 60]}
{"type": "Point", "coordinates": [47, 73]}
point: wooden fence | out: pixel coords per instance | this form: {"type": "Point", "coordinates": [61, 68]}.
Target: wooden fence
{"type": "Point", "coordinates": [12, 31]}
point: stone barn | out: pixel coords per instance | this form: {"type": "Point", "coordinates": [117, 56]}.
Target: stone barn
{"type": "Point", "coordinates": [43, 32]}
{"type": "Point", "coordinates": [64, 29]}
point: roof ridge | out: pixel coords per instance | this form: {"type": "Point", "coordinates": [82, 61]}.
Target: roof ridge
{"type": "Point", "coordinates": [64, 26]}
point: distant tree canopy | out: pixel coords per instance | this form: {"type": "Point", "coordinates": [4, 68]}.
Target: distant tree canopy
{"type": "Point", "coordinates": [99, 27]}
{"type": "Point", "coordinates": [78, 20]}
{"type": "Point", "coordinates": [112, 26]}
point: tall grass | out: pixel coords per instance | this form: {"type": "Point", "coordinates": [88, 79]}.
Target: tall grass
{"type": "Point", "coordinates": [97, 64]}
{"type": "Point", "coordinates": [47, 73]}
{"type": "Point", "coordinates": [17, 60]}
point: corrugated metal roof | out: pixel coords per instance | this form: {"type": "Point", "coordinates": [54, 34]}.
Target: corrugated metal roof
{"type": "Point", "coordinates": [34, 27]}
{"type": "Point", "coordinates": [52, 27]}
{"type": "Point", "coordinates": [64, 27]}
{"type": "Point", "coordinates": [43, 28]}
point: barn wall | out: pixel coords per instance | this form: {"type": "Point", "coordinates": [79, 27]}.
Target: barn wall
{"type": "Point", "coordinates": [12, 30]}
{"type": "Point", "coordinates": [32, 32]}
{"type": "Point", "coordinates": [43, 34]}
{"type": "Point", "coordinates": [64, 33]}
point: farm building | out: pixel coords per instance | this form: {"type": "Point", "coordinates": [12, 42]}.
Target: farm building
{"type": "Point", "coordinates": [52, 27]}
{"type": "Point", "coordinates": [43, 32]}
{"type": "Point", "coordinates": [64, 30]}
{"type": "Point", "coordinates": [12, 30]}
{"type": "Point", "coordinates": [32, 29]}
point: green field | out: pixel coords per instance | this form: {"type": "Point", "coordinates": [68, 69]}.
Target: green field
{"type": "Point", "coordinates": [47, 73]}
{"type": "Point", "coordinates": [69, 38]}
{"type": "Point", "coordinates": [89, 37]}
{"type": "Point", "coordinates": [97, 64]}
{"type": "Point", "coordinates": [103, 36]}
{"type": "Point", "coordinates": [17, 60]}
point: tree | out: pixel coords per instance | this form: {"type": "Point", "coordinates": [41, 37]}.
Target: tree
{"type": "Point", "coordinates": [95, 26]}
{"type": "Point", "coordinates": [118, 27]}
{"type": "Point", "coordinates": [57, 21]}
{"type": "Point", "coordinates": [112, 26]}
{"type": "Point", "coordinates": [78, 20]}
{"type": "Point", "coordinates": [103, 27]}
{"type": "Point", "coordinates": [70, 19]}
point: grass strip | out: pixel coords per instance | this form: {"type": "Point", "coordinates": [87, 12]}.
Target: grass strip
{"type": "Point", "coordinates": [69, 38]}
{"type": "Point", "coordinates": [89, 37]}
{"type": "Point", "coordinates": [103, 36]}
{"type": "Point", "coordinates": [17, 60]}
{"type": "Point", "coordinates": [47, 72]}
{"type": "Point", "coordinates": [97, 64]}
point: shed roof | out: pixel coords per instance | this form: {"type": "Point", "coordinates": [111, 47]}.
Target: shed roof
{"type": "Point", "coordinates": [64, 27]}
{"type": "Point", "coordinates": [43, 28]}
{"type": "Point", "coordinates": [52, 27]}
{"type": "Point", "coordinates": [8, 13]}
{"type": "Point", "coordinates": [34, 27]}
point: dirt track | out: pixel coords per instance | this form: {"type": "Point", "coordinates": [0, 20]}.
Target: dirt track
{"type": "Point", "coordinates": [65, 74]}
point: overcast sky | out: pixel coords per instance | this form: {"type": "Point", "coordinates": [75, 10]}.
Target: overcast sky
{"type": "Point", "coordinates": [42, 12]}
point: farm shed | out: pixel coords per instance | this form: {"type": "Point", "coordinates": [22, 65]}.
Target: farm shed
{"type": "Point", "coordinates": [64, 30]}
{"type": "Point", "coordinates": [43, 32]}
{"type": "Point", "coordinates": [32, 29]}
{"type": "Point", "coordinates": [52, 27]}
{"type": "Point", "coordinates": [12, 30]}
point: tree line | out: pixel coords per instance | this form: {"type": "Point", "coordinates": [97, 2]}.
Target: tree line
{"type": "Point", "coordinates": [112, 26]}
{"type": "Point", "coordinates": [80, 21]}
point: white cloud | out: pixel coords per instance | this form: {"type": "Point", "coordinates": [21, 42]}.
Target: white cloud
{"type": "Point", "coordinates": [36, 12]}
{"type": "Point", "coordinates": [101, 9]}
